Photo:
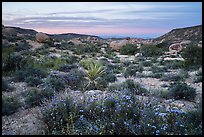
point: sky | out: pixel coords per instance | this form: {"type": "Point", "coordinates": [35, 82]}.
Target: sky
{"type": "Point", "coordinates": [114, 19]}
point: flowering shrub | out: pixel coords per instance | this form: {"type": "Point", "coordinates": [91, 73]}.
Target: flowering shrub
{"type": "Point", "coordinates": [134, 87]}
{"type": "Point", "coordinates": [57, 113]}
{"type": "Point", "coordinates": [118, 113]}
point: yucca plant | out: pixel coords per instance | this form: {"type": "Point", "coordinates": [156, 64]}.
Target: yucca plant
{"type": "Point", "coordinates": [94, 71]}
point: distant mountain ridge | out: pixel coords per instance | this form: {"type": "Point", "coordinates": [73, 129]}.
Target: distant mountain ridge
{"type": "Point", "coordinates": [193, 34]}
{"type": "Point", "coordinates": [55, 36]}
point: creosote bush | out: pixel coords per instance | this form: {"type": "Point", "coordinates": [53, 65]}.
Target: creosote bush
{"type": "Point", "coordinates": [181, 91]}
{"type": "Point", "coordinates": [10, 105]}
{"type": "Point", "coordinates": [129, 49]}
{"type": "Point", "coordinates": [151, 50]}
{"type": "Point", "coordinates": [193, 56]}
{"type": "Point", "coordinates": [5, 85]}
{"type": "Point", "coordinates": [34, 96]}
{"type": "Point", "coordinates": [132, 69]}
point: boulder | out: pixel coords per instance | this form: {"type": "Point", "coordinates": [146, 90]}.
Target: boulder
{"type": "Point", "coordinates": [41, 37]}
{"type": "Point", "coordinates": [116, 45]}
{"type": "Point", "coordinates": [175, 47]}
{"type": "Point", "coordinates": [76, 41]}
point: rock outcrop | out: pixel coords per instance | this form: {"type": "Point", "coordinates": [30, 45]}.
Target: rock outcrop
{"type": "Point", "coordinates": [116, 45]}
{"type": "Point", "coordinates": [9, 32]}
{"type": "Point", "coordinates": [41, 37]}
{"type": "Point", "coordinates": [175, 47]}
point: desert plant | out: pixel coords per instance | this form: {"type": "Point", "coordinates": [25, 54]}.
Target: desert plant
{"type": "Point", "coordinates": [10, 105]}
{"type": "Point", "coordinates": [174, 64]}
{"type": "Point", "coordinates": [146, 63]}
{"type": "Point", "coordinates": [67, 67]}
{"type": "Point", "coordinates": [57, 83]}
{"type": "Point", "coordinates": [193, 56]}
{"type": "Point", "coordinates": [174, 77]}
{"type": "Point", "coordinates": [33, 81]}
{"type": "Point", "coordinates": [151, 50]}
{"type": "Point", "coordinates": [75, 79]}
{"type": "Point", "coordinates": [109, 77]}
{"type": "Point", "coordinates": [58, 113]}
{"type": "Point", "coordinates": [129, 49]}
{"type": "Point", "coordinates": [198, 77]}
{"type": "Point", "coordinates": [85, 63]}
{"type": "Point", "coordinates": [181, 91]}
{"type": "Point", "coordinates": [21, 75]}
{"type": "Point", "coordinates": [94, 72]}
{"type": "Point", "coordinates": [134, 87]}
{"type": "Point", "coordinates": [132, 69]}
{"type": "Point", "coordinates": [5, 85]}
{"type": "Point", "coordinates": [35, 96]}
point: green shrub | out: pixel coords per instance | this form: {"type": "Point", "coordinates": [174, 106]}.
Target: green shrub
{"type": "Point", "coordinates": [5, 85]}
{"type": "Point", "coordinates": [182, 91]}
{"type": "Point", "coordinates": [156, 75]}
{"type": "Point", "coordinates": [146, 63]}
{"type": "Point", "coordinates": [198, 77]}
{"type": "Point", "coordinates": [67, 67]}
{"type": "Point", "coordinates": [23, 45]}
{"type": "Point", "coordinates": [75, 79]}
{"type": "Point", "coordinates": [10, 105]}
{"type": "Point", "coordinates": [101, 84]}
{"type": "Point", "coordinates": [70, 59]}
{"type": "Point", "coordinates": [156, 69]}
{"type": "Point", "coordinates": [134, 87]}
{"type": "Point", "coordinates": [129, 49]}
{"type": "Point", "coordinates": [57, 83]}
{"type": "Point", "coordinates": [21, 75]}
{"type": "Point", "coordinates": [151, 50]}
{"type": "Point", "coordinates": [174, 64]}
{"type": "Point", "coordinates": [84, 49]}
{"type": "Point", "coordinates": [194, 121]}
{"type": "Point", "coordinates": [131, 70]}
{"type": "Point", "coordinates": [109, 77]}
{"type": "Point", "coordinates": [33, 81]}
{"type": "Point", "coordinates": [10, 60]}
{"type": "Point", "coordinates": [35, 96]}
{"type": "Point", "coordinates": [175, 77]}
{"type": "Point", "coordinates": [193, 56]}
{"type": "Point", "coordinates": [114, 68]}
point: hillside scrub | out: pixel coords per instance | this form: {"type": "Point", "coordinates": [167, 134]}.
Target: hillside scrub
{"type": "Point", "coordinates": [129, 49]}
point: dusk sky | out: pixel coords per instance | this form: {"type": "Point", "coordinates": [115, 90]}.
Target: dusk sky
{"type": "Point", "coordinates": [133, 19]}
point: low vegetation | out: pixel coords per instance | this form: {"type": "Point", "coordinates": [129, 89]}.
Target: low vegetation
{"type": "Point", "coordinates": [90, 89]}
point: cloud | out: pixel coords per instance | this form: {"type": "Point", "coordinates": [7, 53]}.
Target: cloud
{"type": "Point", "coordinates": [102, 16]}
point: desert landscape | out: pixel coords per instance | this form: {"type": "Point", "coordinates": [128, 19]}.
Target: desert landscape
{"type": "Point", "coordinates": [81, 84]}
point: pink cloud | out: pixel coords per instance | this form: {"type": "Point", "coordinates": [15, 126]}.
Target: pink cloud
{"type": "Point", "coordinates": [101, 30]}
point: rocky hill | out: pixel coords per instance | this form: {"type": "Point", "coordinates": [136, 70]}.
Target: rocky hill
{"type": "Point", "coordinates": [193, 34]}
{"type": "Point", "coordinates": [8, 30]}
